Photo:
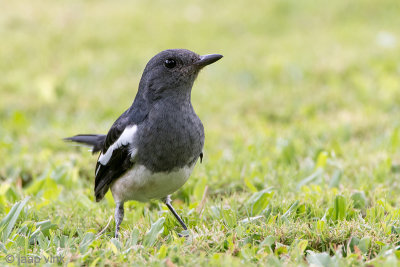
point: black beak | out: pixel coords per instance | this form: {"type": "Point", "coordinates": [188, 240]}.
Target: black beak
{"type": "Point", "coordinates": [207, 60]}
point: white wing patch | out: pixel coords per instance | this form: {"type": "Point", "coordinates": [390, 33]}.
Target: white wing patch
{"type": "Point", "coordinates": [125, 138]}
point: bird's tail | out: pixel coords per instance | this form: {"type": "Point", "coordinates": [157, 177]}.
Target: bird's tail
{"type": "Point", "coordinates": [95, 141]}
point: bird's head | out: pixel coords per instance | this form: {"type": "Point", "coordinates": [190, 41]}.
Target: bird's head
{"type": "Point", "coordinates": [173, 71]}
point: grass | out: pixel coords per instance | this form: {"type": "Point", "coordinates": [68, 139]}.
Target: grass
{"type": "Point", "coordinates": [302, 153]}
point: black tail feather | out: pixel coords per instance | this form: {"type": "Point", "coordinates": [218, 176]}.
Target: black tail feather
{"type": "Point", "coordinates": [94, 140]}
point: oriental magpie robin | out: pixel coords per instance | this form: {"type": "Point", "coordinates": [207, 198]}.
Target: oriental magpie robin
{"type": "Point", "coordinates": [151, 149]}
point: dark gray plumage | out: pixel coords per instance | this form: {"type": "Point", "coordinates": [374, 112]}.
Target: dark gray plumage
{"type": "Point", "coordinates": [94, 140]}
{"type": "Point", "coordinates": [151, 149]}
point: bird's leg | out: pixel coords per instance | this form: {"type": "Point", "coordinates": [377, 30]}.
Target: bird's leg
{"type": "Point", "coordinates": [167, 201]}
{"type": "Point", "coordinates": [119, 216]}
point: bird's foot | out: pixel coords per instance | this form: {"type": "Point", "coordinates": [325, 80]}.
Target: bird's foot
{"type": "Point", "coordinates": [184, 234]}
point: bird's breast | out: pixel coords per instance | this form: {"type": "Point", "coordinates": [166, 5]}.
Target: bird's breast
{"type": "Point", "coordinates": [171, 138]}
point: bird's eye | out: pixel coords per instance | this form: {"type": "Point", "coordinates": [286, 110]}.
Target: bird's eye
{"type": "Point", "coordinates": [170, 63]}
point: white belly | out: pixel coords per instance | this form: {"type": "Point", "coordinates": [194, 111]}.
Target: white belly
{"type": "Point", "coordinates": [142, 185]}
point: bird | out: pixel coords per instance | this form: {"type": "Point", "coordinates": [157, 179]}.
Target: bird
{"type": "Point", "coordinates": [151, 149]}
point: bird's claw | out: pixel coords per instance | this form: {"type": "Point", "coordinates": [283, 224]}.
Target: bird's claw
{"type": "Point", "coordinates": [184, 234]}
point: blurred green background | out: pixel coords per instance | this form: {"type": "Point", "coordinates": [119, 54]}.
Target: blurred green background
{"type": "Point", "coordinates": [304, 88]}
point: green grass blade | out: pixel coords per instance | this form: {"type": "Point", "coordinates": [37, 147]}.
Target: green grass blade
{"type": "Point", "coordinates": [151, 236]}
{"type": "Point", "coordinates": [8, 223]}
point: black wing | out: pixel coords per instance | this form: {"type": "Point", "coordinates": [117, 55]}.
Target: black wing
{"type": "Point", "coordinates": [119, 162]}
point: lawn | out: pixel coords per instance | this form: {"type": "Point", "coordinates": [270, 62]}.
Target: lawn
{"type": "Point", "coordinates": [302, 120]}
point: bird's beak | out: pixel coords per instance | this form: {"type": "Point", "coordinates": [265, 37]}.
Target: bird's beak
{"type": "Point", "coordinates": [207, 60]}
